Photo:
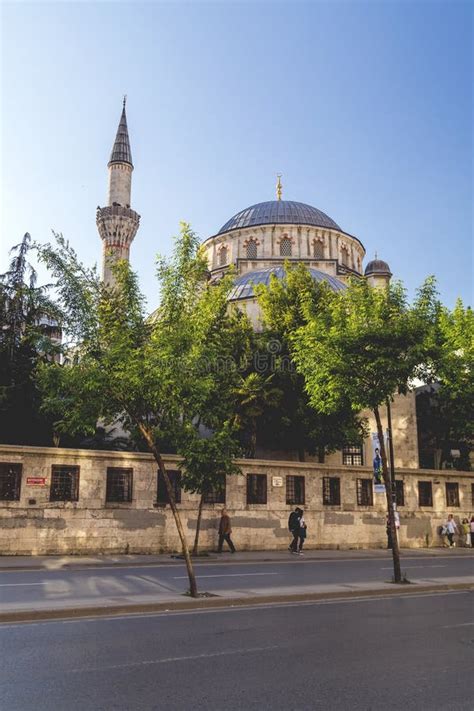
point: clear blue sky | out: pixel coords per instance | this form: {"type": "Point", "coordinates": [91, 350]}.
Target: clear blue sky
{"type": "Point", "coordinates": [366, 109]}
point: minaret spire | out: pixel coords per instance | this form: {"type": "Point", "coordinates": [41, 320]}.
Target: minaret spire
{"type": "Point", "coordinates": [118, 223]}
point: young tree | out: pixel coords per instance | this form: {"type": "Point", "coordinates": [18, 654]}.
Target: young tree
{"type": "Point", "coordinates": [365, 344]}
{"type": "Point", "coordinates": [29, 334]}
{"type": "Point", "coordinates": [150, 374]}
{"type": "Point", "coordinates": [254, 395]}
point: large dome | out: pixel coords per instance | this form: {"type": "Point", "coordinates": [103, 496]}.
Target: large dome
{"type": "Point", "coordinates": [279, 211]}
{"type": "Point", "coordinates": [243, 285]}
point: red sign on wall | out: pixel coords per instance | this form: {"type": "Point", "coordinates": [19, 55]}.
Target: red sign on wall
{"type": "Point", "coordinates": [35, 480]}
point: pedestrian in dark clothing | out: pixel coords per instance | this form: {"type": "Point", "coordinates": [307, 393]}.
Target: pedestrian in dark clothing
{"type": "Point", "coordinates": [294, 528]}
{"type": "Point", "coordinates": [225, 530]}
{"type": "Point", "coordinates": [389, 532]}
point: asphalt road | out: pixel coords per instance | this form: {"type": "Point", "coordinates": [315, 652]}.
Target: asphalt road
{"type": "Point", "coordinates": [402, 652]}
{"type": "Point", "coordinates": [24, 589]}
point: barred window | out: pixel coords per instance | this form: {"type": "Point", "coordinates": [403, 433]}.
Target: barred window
{"type": "Point", "coordinates": [256, 488]}
{"type": "Point", "coordinates": [353, 456]}
{"type": "Point", "coordinates": [425, 493]}
{"type": "Point", "coordinates": [175, 479]}
{"type": "Point", "coordinates": [318, 250]}
{"type": "Point", "coordinates": [223, 256]}
{"type": "Point", "coordinates": [10, 481]}
{"type": "Point", "coordinates": [285, 247]}
{"type": "Point", "coordinates": [399, 491]}
{"type": "Point", "coordinates": [452, 493]}
{"type": "Point", "coordinates": [472, 495]}
{"type": "Point", "coordinates": [119, 485]}
{"type": "Point", "coordinates": [64, 483]}
{"type": "Point", "coordinates": [216, 495]}
{"type": "Point", "coordinates": [331, 491]}
{"type": "Point", "coordinates": [252, 249]}
{"type": "Point", "coordinates": [295, 489]}
{"type": "Point", "coordinates": [365, 495]}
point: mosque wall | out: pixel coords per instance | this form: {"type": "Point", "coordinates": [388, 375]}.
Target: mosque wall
{"type": "Point", "coordinates": [35, 525]}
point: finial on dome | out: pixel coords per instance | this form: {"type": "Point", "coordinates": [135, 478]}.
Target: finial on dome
{"type": "Point", "coordinates": [124, 100]}
{"type": "Point", "coordinates": [279, 186]}
{"type": "Point", "coordinates": [376, 254]}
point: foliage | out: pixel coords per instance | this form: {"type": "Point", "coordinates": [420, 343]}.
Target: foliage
{"type": "Point", "coordinates": [29, 320]}
{"type": "Point", "coordinates": [285, 304]}
{"type": "Point", "coordinates": [445, 409]}
{"type": "Point", "coordinates": [254, 395]}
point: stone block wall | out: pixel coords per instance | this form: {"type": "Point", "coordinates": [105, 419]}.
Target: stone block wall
{"type": "Point", "coordinates": [35, 525]}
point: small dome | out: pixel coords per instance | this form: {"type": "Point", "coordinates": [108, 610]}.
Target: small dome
{"type": "Point", "coordinates": [279, 211]}
{"type": "Point", "coordinates": [377, 266]}
{"type": "Point", "coordinates": [243, 285]}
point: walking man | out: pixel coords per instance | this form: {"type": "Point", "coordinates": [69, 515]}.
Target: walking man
{"type": "Point", "coordinates": [294, 528]}
{"type": "Point", "coordinates": [451, 529]}
{"type": "Point", "coordinates": [225, 530]}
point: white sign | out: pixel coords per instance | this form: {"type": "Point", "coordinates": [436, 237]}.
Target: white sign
{"type": "Point", "coordinates": [277, 481]}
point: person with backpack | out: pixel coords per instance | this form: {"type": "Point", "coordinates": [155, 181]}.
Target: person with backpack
{"type": "Point", "coordinates": [294, 528]}
{"type": "Point", "coordinates": [451, 529]}
{"type": "Point", "coordinates": [302, 534]}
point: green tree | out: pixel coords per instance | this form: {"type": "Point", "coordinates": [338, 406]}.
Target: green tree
{"type": "Point", "coordinates": [29, 334]}
{"type": "Point", "coordinates": [151, 375]}
{"type": "Point", "coordinates": [445, 408]}
{"type": "Point", "coordinates": [365, 344]}
{"type": "Point", "coordinates": [254, 395]}
{"type": "Point", "coordinates": [297, 424]}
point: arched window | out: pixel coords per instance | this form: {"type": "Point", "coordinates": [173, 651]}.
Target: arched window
{"type": "Point", "coordinates": [345, 256]}
{"type": "Point", "coordinates": [252, 249]}
{"type": "Point", "coordinates": [285, 247]}
{"type": "Point", "coordinates": [223, 256]}
{"type": "Point", "coordinates": [318, 249]}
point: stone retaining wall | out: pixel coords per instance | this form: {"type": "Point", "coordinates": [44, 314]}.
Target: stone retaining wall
{"type": "Point", "coordinates": [35, 525]}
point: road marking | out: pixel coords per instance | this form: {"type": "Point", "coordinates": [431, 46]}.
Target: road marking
{"type": "Point", "coordinates": [16, 585]}
{"type": "Point", "coordinates": [288, 561]}
{"type": "Point", "coordinates": [462, 624]}
{"type": "Point", "coordinates": [168, 660]}
{"type": "Point", "coordinates": [412, 567]}
{"type": "Point", "coordinates": [223, 575]}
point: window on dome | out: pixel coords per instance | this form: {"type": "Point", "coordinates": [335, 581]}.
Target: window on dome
{"type": "Point", "coordinates": [223, 256]}
{"type": "Point", "coordinates": [318, 249]}
{"type": "Point", "coordinates": [345, 256]}
{"type": "Point", "coordinates": [285, 247]}
{"type": "Point", "coordinates": [252, 249]}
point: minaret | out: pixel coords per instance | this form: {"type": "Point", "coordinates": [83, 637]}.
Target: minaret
{"type": "Point", "coordinates": [117, 223]}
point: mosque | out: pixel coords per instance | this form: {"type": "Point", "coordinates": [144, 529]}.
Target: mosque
{"type": "Point", "coordinates": [257, 242]}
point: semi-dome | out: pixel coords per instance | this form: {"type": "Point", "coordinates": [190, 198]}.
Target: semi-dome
{"type": "Point", "coordinates": [377, 266]}
{"type": "Point", "coordinates": [279, 211]}
{"type": "Point", "coordinates": [243, 285]}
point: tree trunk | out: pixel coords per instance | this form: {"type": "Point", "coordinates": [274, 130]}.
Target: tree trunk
{"type": "Point", "coordinates": [198, 526]}
{"type": "Point", "coordinates": [161, 466]}
{"type": "Point", "coordinates": [397, 574]}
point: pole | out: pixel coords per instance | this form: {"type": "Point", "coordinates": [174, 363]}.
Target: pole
{"type": "Point", "coordinates": [390, 441]}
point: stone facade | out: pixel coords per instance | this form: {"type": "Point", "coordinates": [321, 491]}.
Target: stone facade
{"type": "Point", "coordinates": [35, 525]}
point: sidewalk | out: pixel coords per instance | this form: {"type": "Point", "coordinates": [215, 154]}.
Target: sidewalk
{"type": "Point", "coordinates": [68, 562]}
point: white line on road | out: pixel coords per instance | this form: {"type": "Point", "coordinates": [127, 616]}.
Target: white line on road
{"type": "Point", "coordinates": [412, 567]}
{"type": "Point", "coordinates": [223, 575]}
{"type": "Point", "coordinates": [167, 660]}
{"type": "Point", "coordinates": [462, 624]}
{"type": "Point", "coordinates": [16, 585]}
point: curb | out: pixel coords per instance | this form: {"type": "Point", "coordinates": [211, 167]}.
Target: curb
{"type": "Point", "coordinates": [219, 603]}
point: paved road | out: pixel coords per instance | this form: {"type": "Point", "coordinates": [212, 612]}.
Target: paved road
{"type": "Point", "coordinates": [27, 589]}
{"type": "Point", "coordinates": [404, 652]}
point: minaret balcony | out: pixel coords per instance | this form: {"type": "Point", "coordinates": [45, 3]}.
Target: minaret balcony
{"type": "Point", "coordinates": [117, 211]}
